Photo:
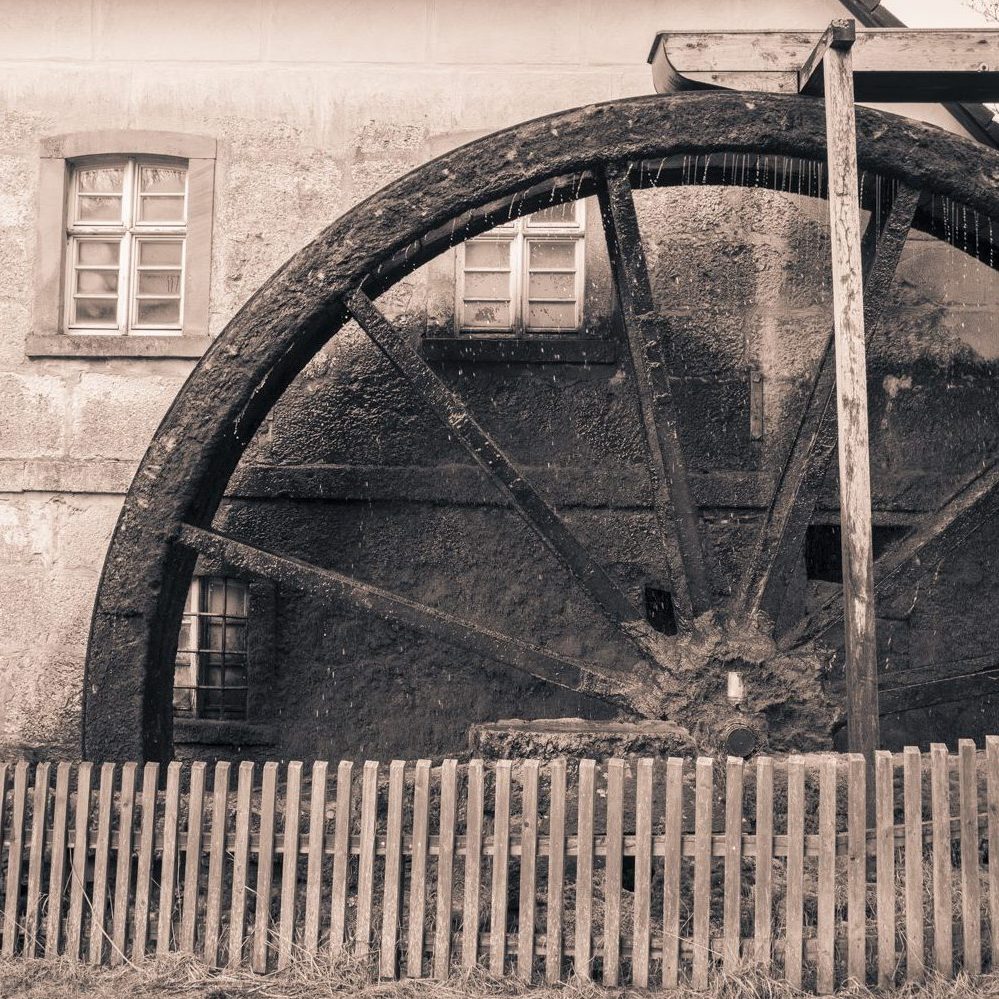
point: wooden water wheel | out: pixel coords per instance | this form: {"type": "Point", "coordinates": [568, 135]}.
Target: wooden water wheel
{"type": "Point", "coordinates": [609, 151]}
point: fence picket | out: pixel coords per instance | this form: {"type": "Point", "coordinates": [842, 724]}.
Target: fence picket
{"type": "Point", "coordinates": [474, 805]}
{"type": "Point", "coordinates": [392, 899]}
{"type": "Point", "coordinates": [501, 869]}
{"type": "Point", "coordinates": [794, 898]}
{"type": "Point", "coordinates": [144, 868]}
{"type": "Point", "coordinates": [763, 886]}
{"type": "Point", "coordinates": [12, 880]}
{"type": "Point", "coordinates": [913, 794]}
{"type": "Point", "coordinates": [734, 773]}
{"type": "Point", "coordinates": [884, 822]}
{"type": "Point", "coordinates": [36, 853]}
{"type": "Point", "coordinates": [341, 857]}
{"type": "Point", "coordinates": [265, 869]}
{"type": "Point", "coordinates": [102, 850]}
{"type": "Point", "coordinates": [825, 929]}
{"type": "Point", "coordinates": [289, 862]}
{"type": "Point", "coordinates": [445, 868]}
{"type": "Point", "coordinates": [671, 872]}
{"type": "Point", "coordinates": [168, 868]}
{"type": "Point", "coordinates": [856, 869]}
{"type": "Point", "coordinates": [123, 866]}
{"type": "Point", "coordinates": [584, 869]}
{"type": "Point", "coordinates": [992, 790]}
{"type": "Point", "coordinates": [57, 866]}
{"type": "Point", "coordinates": [641, 929]}
{"type": "Point", "coordinates": [556, 872]}
{"type": "Point", "coordinates": [971, 890]}
{"type": "Point", "coordinates": [703, 790]}
{"type": "Point", "coordinates": [943, 929]}
{"type": "Point", "coordinates": [528, 869]}
{"type": "Point", "coordinates": [613, 845]}
{"type": "Point", "coordinates": [78, 861]}
{"type": "Point", "coordinates": [317, 850]}
{"type": "Point", "coordinates": [240, 864]}
{"type": "Point", "coordinates": [366, 861]}
{"type": "Point", "coordinates": [418, 870]}
{"type": "Point", "coordinates": [192, 858]}
{"type": "Point", "coordinates": [216, 863]}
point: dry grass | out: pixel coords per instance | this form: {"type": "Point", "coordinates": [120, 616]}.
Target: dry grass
{"type": "Point", "coordinates": [309, 979]}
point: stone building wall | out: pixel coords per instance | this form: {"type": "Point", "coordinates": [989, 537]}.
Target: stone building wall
{"type": "Point", "coordinates": [315, 106]}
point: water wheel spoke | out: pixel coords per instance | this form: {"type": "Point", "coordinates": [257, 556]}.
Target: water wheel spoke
{"type": "Point", "coordinates": [676, 514]}
{"type": "Point", "coordinates": [901, 567]}
{"type": "Point", "coordinates": [501, 470]}
{"type": "Point", "coordinates": [779, 542]}
{"type": "Point", "coordinates": [340, 589]}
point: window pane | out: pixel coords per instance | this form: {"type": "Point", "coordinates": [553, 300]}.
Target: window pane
{"type": "Point", "coordinates": [552, 286]}
{"type": "Point", "coordinates": [96, 310]}
{"type": "Point", "coordinates": [491, 253]}
{"type": "Point", "coordinates": [487, 314]}
{"type": "Point", "coordinates": [235, 703]}
{"type": "Point", "coordinates": [213, 634]}
{"type": "Point", "coordinates": [162, 180]}
{"type": "Point", "coordinates": [556, 215]}
{"type": "Point", "coordinates": [161, 209]}
{"type": "Point", "coordinates": [98, 251]}
{"type": "Point", "coordinates": [235, 676]}
{"type": "Point", "coordinates": [212, 676]}
{"type": "Point", "coordinates": [554, 253]}
{"type": "Point", "coordinates": [160, 251]}
{"type": "Point", "coordinates": [236, 594]}
{"type": "Point", "coordinates": [98, 209]}
{"type": "Point", "coordinates": [551, 316]}
{"type": "Point", "coordinates": [101, 180]}
{"type": "Point", "coordinates": [159, 282]}
{"type": "Point", "coordinates": [213, 595]}
{"type": "Point", "coordinates": [487, 284]}
{"type": "Point", "coordinates": [156, 312]}
{"type": "Point", "coordinates": [97, 282]}
{"type": "Point", "coordinates": [235, 638]}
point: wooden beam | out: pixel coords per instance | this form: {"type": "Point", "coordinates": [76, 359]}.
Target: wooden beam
{"type": "Point", "coordinates": [676, 513]}
{"type": "Point", "coordinates": [851, 402]}
{"type": "Point", "coordinates": [890, 64]}
{"type": "Point", "coordinates": [338, 588]}
{"type": "Point", "coordinates": [779, 542]}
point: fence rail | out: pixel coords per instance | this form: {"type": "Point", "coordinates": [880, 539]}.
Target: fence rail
{"type": "Point", "coordinates": [649, 872]}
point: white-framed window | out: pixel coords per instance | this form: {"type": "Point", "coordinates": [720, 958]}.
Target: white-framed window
{"type": "Point", "coordinates": [211, 675]}
{"type": "Point", "coordinates": [525, 276]}
{"type": "Point", "coordinates": [126, 245]}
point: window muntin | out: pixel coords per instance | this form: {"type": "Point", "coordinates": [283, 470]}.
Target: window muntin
{"type": "Point", "coordinates": [211, 675]}
{"type": "Point", "coordinates": [127, 237]}
{"type": "Point", "coordinates": [526, 275]}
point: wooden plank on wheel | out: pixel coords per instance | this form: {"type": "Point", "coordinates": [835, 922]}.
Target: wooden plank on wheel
{"type": "Point", "coordinates": [388, 951]}
{"type": "Point", "coordinates": [556, 872]}
{"type": "Point", "coordinates": [673, 849]}
{"type": "Point", "coordinates": [703, 790]}
{"type": "Point", "coordinates": [763, 899]}
{"type": "Point", "coordinates": [794, 896]}
{"type": "Point", "coordinates": [57, 866]}
{"type": "Point", "coordinates": [144, 868]}
{"type": "Point", "coordinates": [473, 865]}
{"type": "Point", "coordinates": [943, 925]}
{"type": "Point", "coordinates": [501, 869]}
{"type": "Point", "coordinates": [825, 929]}
{"type": "Point", "coordinates": [289, 862]}
{"type": "Point", "coordinates": [641, 923]}
{"type": "Point", "coordinates": [445, 868]}
{"type": "Point", "coordinates": [216, 863]}
{"type": "Point", "coordinates": [613, 847]}
{"type": "Point", "coordinates": [912, 778]}
{"type": "Point", "coordinates": [78, 861]}
{"type": "Point", "coordinates": [317, 849]}
{"type": "Point", "coordinates": [418, 870]}
{"type": "Point", "coordinates": [731, 913]}
{"type": "Point", "coordinates": [971, 889]}
{"type": "Point", "coordinates": [528, 869]}
{"type": "Point", "coordinates": [584, 869]}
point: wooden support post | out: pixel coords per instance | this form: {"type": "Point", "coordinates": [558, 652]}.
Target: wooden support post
{"type": "Point", "coordinates": [851, 394]}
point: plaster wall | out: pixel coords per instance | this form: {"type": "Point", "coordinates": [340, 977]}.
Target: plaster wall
{"type": "Point", "coordinates": [314, 106]}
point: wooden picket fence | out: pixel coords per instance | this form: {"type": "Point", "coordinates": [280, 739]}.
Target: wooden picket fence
{"type": "Point", "coordinates": [645, 871]}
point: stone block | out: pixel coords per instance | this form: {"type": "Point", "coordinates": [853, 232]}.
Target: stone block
{"type": "Point", "coordinates": [46, 29]}
{"type": "Point", "coordinates": [83, 530]}
{"type": "Point", "coordinates": [27, 531]}
{"type": "Point", "coordinates": [32, 415]}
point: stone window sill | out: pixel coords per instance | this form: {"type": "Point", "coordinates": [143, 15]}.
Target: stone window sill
{"type": "Point", "coordinates": [221, 733]}
{"type": "Point", "coordinates": [114, 345]}
{"type": "Point", "coordinates": [521, 350]}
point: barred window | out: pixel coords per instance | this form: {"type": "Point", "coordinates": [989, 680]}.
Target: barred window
{"type": "Point", "coordinates": [127, 230]}
{"type": "Point", "coordinates": [525, 276]}
{"type": "Point", "coordinates": [210, 678]}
